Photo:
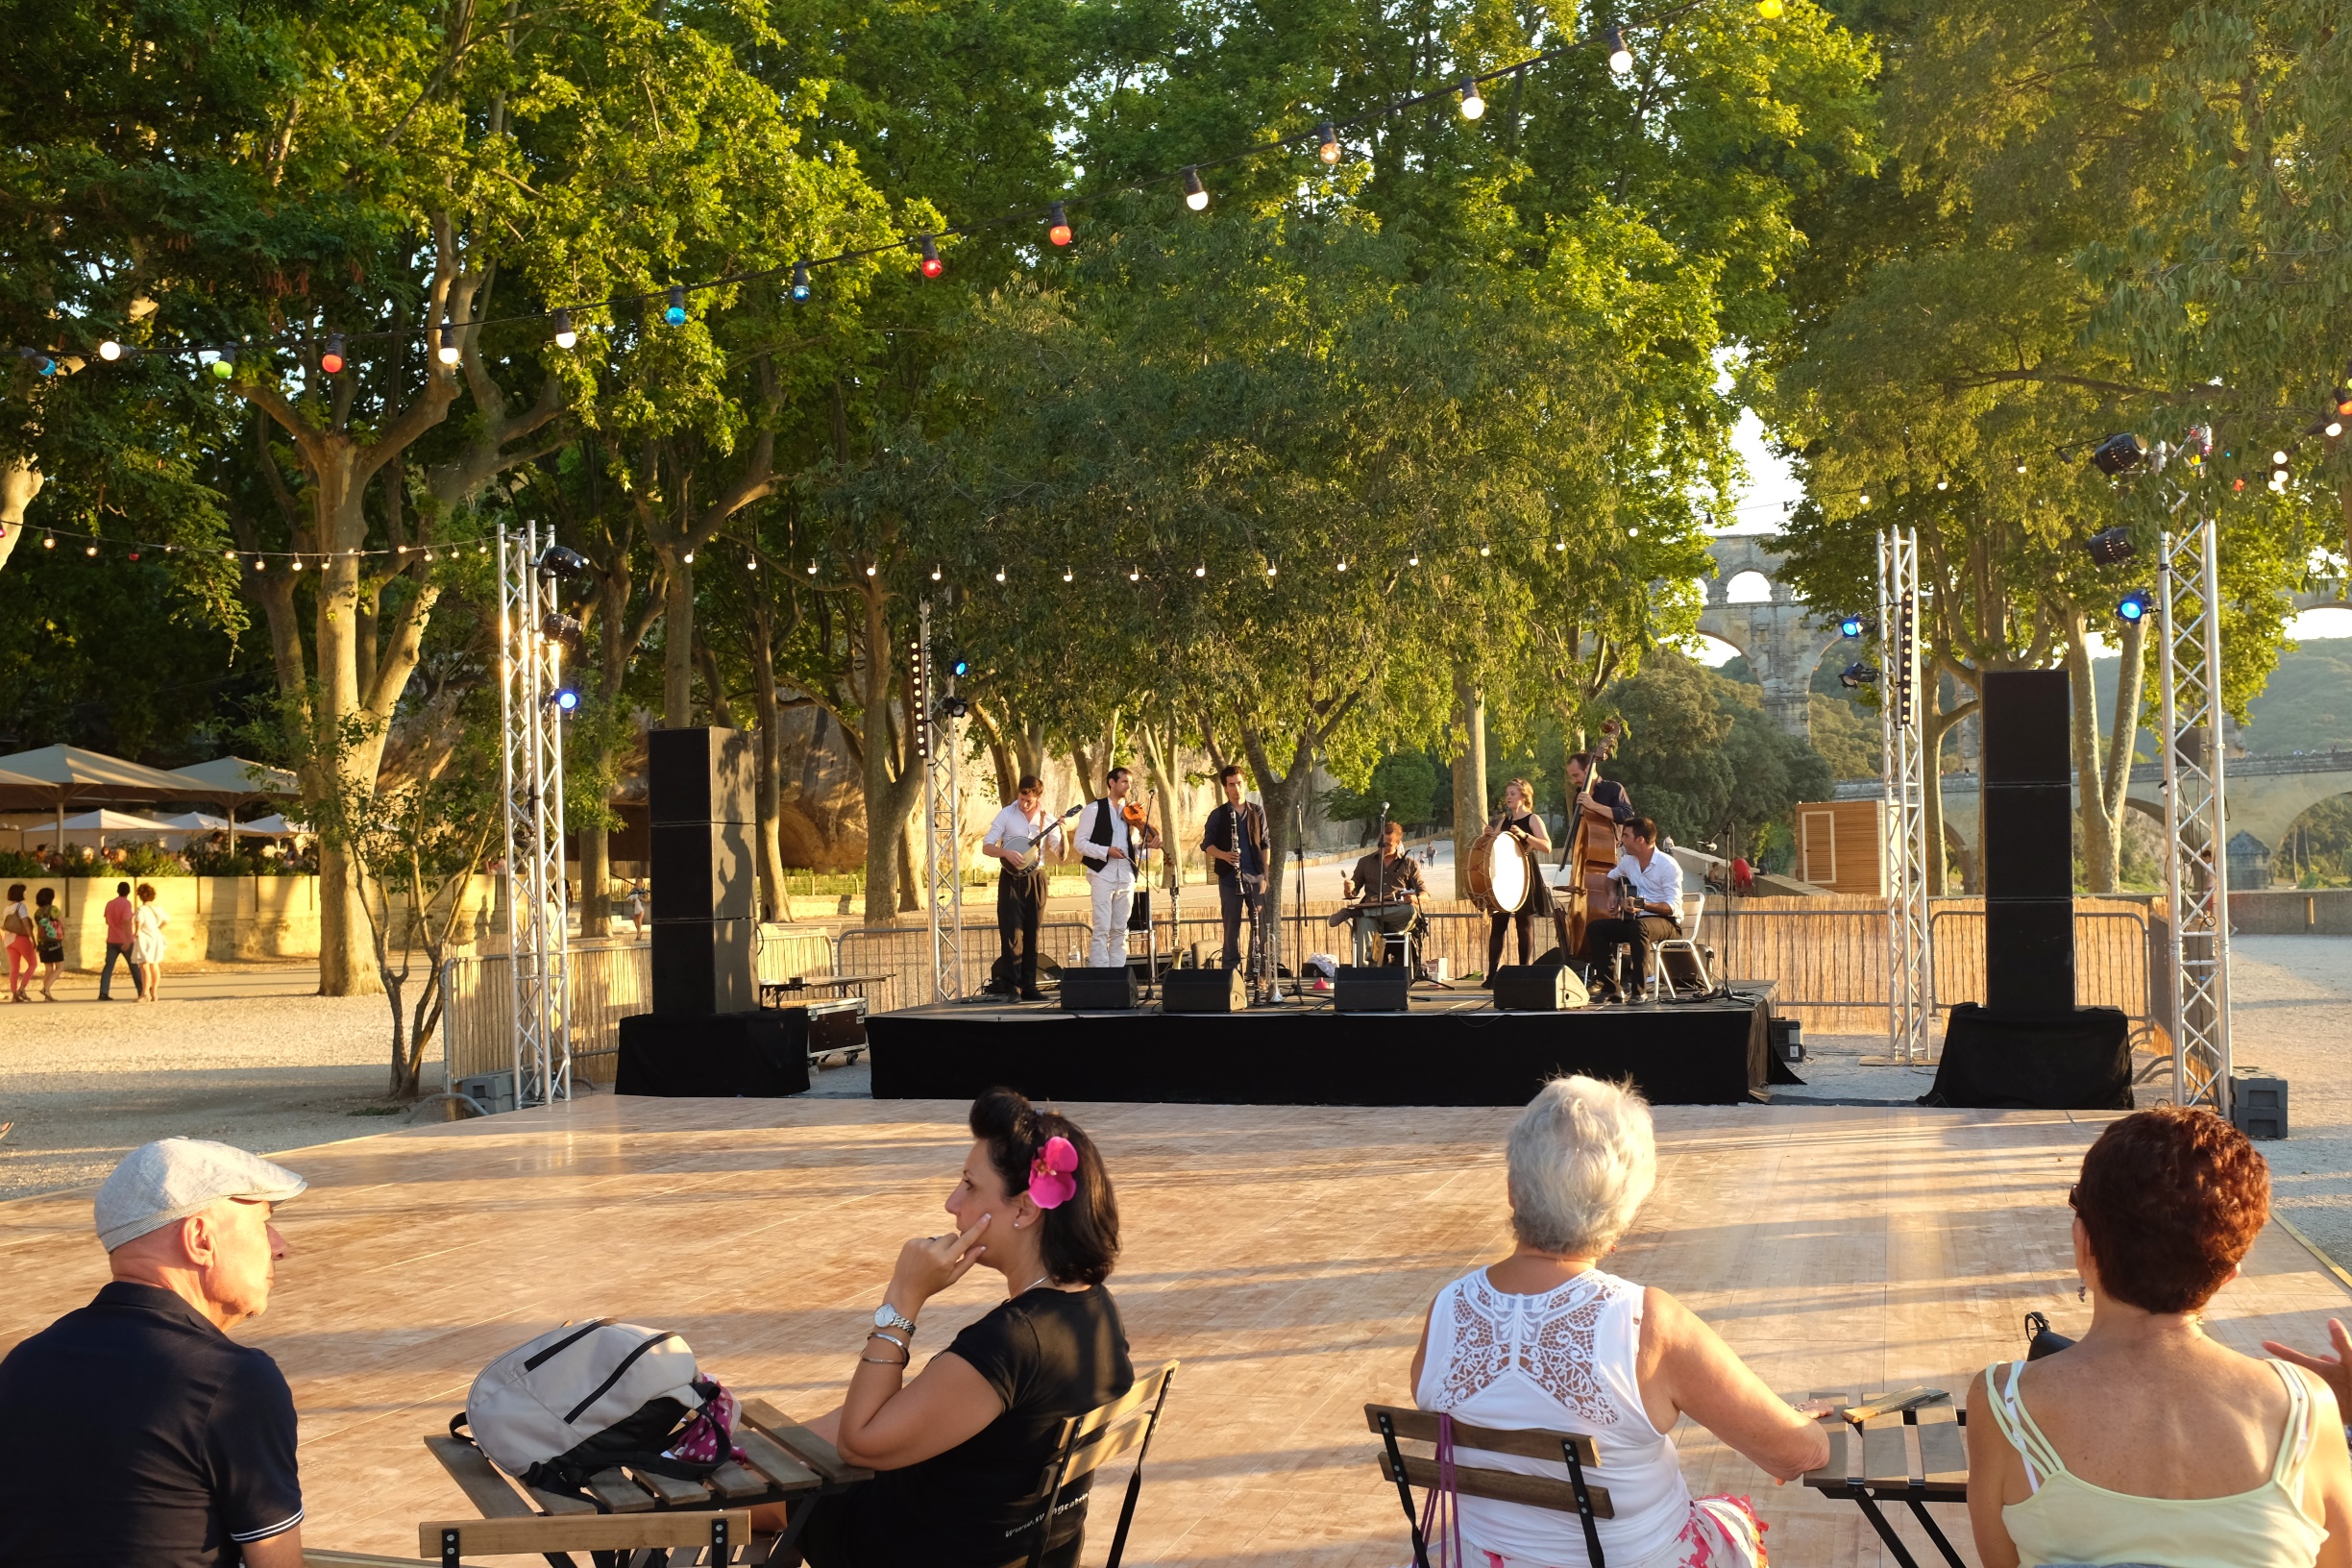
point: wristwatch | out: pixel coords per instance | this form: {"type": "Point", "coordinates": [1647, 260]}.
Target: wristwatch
{"type": "Point", "coordinates": [887, 1316]}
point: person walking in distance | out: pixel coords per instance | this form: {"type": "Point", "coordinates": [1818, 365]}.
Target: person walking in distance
{"type": "Point", "coordinates": [1108, 849]}
{"type": "Point", "coordinates": [16, 929]}
{"type": "Point", "coordinates": [118, 923]}
{"type": "Point", "coordinates": [48, 941]}
{"type": "Point", "coordinates": [147, 942]}
{"type": "Point", "coordinates": [1234, 838]}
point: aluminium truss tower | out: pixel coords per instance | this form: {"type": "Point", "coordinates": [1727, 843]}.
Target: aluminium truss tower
{"type": "Point", "coordinates": [530, 780]}
{"type": "Point", "coordinates": [1907, 779]}
{"type": "Point", "coordinates": [2197, 861]}
{"type": "Point", "coordinates": [938, 738]}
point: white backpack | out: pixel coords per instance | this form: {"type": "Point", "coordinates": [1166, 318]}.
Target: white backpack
{"type": "Point", "coordinates": [588, 1397]}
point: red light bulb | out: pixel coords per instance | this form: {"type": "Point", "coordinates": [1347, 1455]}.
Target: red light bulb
{"type": "Point", "coordinates": [931, 264]}
{"type": "Point", "coordinates": [1060, 230]}
{"type": "Point", "coordinates": [332, 362]}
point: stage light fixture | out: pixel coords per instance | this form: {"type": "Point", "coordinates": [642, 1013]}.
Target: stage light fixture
{"type": "Point", "coordinates": [674, 313]}
{"type": "Point", "coordinates": [2119, 454]}
{"type": "Point", "coordinates": [800, 289]}
{"type": "Point", "coordinates": [1472, 105]}
{"type": "Point", "coordinates": [2111, 546]}
{"type": "Point", "coordinates": [332, 362]}
{"type": "Point", "coordinates": [1856, 675]}
{"type": "Point", "coordinates": [559, 627]}
{"type": "Point", "coordinates": [1620, 57]}
{"type": "Point", "coordinates": [1057, 226]}
{"type": "Point", "coordinates": [109, 350]}
{"type": "Point", "coordinates": [1196, 194]}
{"type": "Point", "coordinates": [1327, 143]}
{"type": "Point", "coordinates": [565, 336]}
{"type": "Point", "coordinates": [561, 561]}
{"type": "Point", "coordinates": [952, 707]}
{"type": "Point", "coordinates": [2133, 605]}
{"type": "Point", "coordinates": [564, 700]}
{"type": "Point", "coordinates": [1851, 627]}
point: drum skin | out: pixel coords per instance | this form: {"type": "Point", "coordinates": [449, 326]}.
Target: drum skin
{"type": "Point", "coordinates": [1501, 869]}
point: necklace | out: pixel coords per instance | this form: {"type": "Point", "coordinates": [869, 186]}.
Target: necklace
{"type": "Point", "coordinates": [1041, 1279]}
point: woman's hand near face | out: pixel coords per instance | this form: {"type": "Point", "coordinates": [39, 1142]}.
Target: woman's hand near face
{"type": "Point", "coordinates": [930, 1263]}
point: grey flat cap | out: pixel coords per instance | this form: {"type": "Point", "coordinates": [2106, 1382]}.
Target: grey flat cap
{"type": "Point", "coordinates": [175, 1177]}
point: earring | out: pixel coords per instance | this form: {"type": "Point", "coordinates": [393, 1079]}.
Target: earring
{"type": "Point", "coordinates": [2082, 1291]}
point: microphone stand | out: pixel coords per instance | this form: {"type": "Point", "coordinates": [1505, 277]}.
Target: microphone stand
{"type": "Point", "coordinates": [1298, 967]}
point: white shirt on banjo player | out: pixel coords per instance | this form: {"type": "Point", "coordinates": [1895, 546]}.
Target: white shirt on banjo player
{"type": "Point", "coordinates": [1013, 822]}
{"type": "Point", "coordinates": [1660, 884]}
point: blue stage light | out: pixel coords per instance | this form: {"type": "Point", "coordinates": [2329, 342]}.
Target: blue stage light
{"type": "Point", "coordinates": [1851, 627]}
{"type": "Point", "coordinates": [2135, 605]}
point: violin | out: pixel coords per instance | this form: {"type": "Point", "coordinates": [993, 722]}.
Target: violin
{"type": "Point", "coordinates": [1138, 820]}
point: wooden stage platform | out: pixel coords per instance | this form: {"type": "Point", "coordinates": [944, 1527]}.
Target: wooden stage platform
{"type": "Point", "coordinates": [1284, 1254]}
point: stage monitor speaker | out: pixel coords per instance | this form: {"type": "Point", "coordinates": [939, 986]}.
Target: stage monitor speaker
{"type": "Point", "coordinates": [2029, 957]}
{"type": "Point", "coordinates": [700, 775]}
{"type": "Point", "coordinates": [1098, 990]}
{"type": "Point", "coordinates": [2028, 843]}
{"type": "Point", "coordinates": [1203, 990]}
{"type": "Point", "coordinates": [2025, 728]}
{"type": "Point", "coordinates": [763, 1052]}
{"type": "Point", "coordinates": [703, 967]}
{"type": "Point", "coordinates": [703, 871]}
{"type": "Point", "coordinates": [1371, 987]}
{"type": "Point", "coordinates": [1536, 987]}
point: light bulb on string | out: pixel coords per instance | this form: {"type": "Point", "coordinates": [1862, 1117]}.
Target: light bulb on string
{"type": "Point", "coordinates": [2334, 427]}
{"type": "Point", "coordinates": [1472, 105]}
{"type": "Point", "coordinates": [751, 563]}
{"type": "Point", "coordinates": [675, 313]}
{"type": "Point", "coordinates": [1000, 573]}
{"type": "Point", "coordinates": [224, 362]}
{"type": "Point", "coordinates": [800, 289]}
{"type": "Point", "coordinates": [871, 568]}
{"type": "Point", "coordinates": [1057, 226]}
{"type": "Point", "coordinates": [935, 573]}
{"type": "Point", "coordinates": [1270, 568]}
{"type": "Point", "coordinates": [1068, 573]}
{"type": "Point", "coordinates": [2021, 468]}
{"type": "Point", "coordinates": [932, 265]}
{"type": "Point", "coordinates": [690, 557]}
{"type": "Point", "coordinates": [89, 549]}
{"type": "Point", "coordinates": [1327, 143]}
{"type": "Point", "coordinates": [1200, 571]}
{"type": "Point", "coordinates": [332, 361]}
{"type": "Point", "coordinates": [1559, 544]}
{"type": "Point", "coordinates": [1620, 57]}
{"type": "Point", "coordinates": [1769, 10]}
{"type": "Point", "coordinates": [812, 570]}
{"type": "Point", "coordinates": [565, 336]}
{"type": "Point", "coordinates": [1866, 500]}
{"type": "Point", "coordinates": [1943, 484]}
{"type": "Point", "coordinates": [48, 541]}
{"type": "Point", "coordinates": [227, 554]}
{"type": "Point", "coordinates": [109, 350]}
{"type": "Point", "coordinates": [1485, 550]}
{"type": "Point", "coordinates": [449, 353]}
{"type": "Point", "coordinates": [2279, 458]}
{"type": "Point", "coordinates": [1196, 194]}
{"type": "Point", "coordinates": [298, 563]}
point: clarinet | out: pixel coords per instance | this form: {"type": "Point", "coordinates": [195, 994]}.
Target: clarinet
{"type": "Point", "coordinates": [1255, 913]}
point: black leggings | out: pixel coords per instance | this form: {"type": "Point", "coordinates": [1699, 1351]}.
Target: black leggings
{"type": "Point", "coordinates": [1525, 921]}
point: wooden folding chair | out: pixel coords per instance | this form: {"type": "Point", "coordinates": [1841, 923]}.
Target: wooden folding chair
{"type": "Point", "coordinates": [1088, 1443]}
{"type": "Point", "coordinates": [1396, 1424]}
{"type": "Point", "coordinates": [1883, 1451]}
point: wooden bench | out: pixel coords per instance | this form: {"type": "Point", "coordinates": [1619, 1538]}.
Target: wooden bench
{"type": "Point", "coordinates": [787, 1464]}
{"type": "Point", "coordinates": [1396, 1425]}
{"type": "Point", "coordinates": [1909, 1446]}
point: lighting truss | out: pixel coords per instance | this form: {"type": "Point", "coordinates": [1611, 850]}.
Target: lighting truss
{"type": "Point", "coordinates": [938, 738]}
{"type": "Point", "coordinates": [2197, 861]}
{"type": "Point", "coordinates": [1906, 780]}
{"type": "Point", "coordinates": [530, 780]}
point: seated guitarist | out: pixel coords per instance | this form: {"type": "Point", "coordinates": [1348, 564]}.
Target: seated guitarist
{"type": "Point", "coordinates": [1653, 910]}
{"type": "Point", "coordinates": [1020, 895]}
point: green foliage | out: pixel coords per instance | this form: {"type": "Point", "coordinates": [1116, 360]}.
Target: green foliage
{"type": "Point", "coordinates": [1701, 757]}
{"type": "Point", "coordinates": [1408, 781]}
{"type": "Point", "coordinates": [2307, 706]}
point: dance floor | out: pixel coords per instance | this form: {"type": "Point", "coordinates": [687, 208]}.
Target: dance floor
{"type": "Point", "coordinates": [1285, 1255]}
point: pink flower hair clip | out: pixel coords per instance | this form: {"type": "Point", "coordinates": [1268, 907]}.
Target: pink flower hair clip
{"type": "Point", "coordinates": [1053, 1179]}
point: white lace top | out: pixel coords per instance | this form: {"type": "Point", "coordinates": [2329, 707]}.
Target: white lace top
{"type": "Point", "coordinates": [1565, 1362]}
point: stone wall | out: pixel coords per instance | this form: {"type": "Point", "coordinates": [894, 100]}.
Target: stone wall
{"type": "Point", "coordinates": [216, 920]}
{"type": "Point", "coordinates": [2292, 912]}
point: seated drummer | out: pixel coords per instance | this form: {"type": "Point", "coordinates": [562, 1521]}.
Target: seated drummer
{"type": "Point", "coordinates": [958, 1447]}
{"type": "Point", "coordinates": [1655, 912]}
{"type": "Point", "coordinates": [1388, 882]}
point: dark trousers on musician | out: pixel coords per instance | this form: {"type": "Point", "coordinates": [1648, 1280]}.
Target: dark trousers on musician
{"type": "Point", "coordinates": [1640, 935]}
{"type": "Point", "coordinates": [1525, 922]}
{"type": "Point", "coordinates": [1235, 903]}
{"type": "Point", "coordinates": [1020, 900]}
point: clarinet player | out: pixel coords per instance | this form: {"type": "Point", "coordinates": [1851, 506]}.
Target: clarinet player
{"type": "Point", "coordinates": [1234, 838]}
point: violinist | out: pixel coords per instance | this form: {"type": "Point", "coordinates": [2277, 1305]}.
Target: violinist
{"type": "Point", "coordinates": [1112, 833]}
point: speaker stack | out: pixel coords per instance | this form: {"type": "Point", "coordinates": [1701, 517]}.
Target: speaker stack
{"type": "Point", "coordinates": [707, 1033]}
{"type": "Point", "coordinates": [2028, 1045]}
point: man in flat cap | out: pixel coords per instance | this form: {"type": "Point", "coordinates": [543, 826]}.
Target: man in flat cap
{"type": "Point", "coordinates": [135, 1430]}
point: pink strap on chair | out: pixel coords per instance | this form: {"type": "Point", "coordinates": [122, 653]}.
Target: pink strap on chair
{"type": "Point", "coordinates": [1440, 1513]}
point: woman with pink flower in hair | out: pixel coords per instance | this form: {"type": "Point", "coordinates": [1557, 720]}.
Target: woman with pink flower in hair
{"type": "Point", "coordinates": [958, 1447]}
{"type": "Point", "coordinates": [1547, 1340]}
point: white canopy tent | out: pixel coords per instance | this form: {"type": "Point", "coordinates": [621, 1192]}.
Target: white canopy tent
{"type": "Point", "coordinates": [237, 783]}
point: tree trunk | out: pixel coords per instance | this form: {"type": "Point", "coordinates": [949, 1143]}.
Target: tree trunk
{"type": "Point", "coordinates": [595, 842]}
{"type": "Point", "coordinates": [770, 782]}
{"type": "Point", "coordinates": [893, 779]}
{"type": "Point", "coordinates": [1157, 750]}
{"type": "Point", "coordinates": [19, 482]}
{"type": "Point", "coordinates": [1283, 795]}
{"type": "Point", "coordinates": [1470, 800]}
{"type": "Point", "coordinates": [2103, 774]}
{"type": "Point", "coordinates": [678, 642]}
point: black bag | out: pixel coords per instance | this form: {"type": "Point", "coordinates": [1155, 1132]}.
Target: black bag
{"type": "Point", "coordinates": [2041, 1339]}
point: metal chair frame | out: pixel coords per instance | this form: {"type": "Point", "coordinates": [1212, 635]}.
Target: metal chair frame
{"type": "Point", "coordinates": [1694, 905]}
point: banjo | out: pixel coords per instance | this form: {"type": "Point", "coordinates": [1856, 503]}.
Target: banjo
{"type": "Point", "coordinates": [1030, 852]}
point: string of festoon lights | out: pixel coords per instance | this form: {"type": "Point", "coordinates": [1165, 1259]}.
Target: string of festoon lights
{"type": "Point", "coordinates": [95, 545]}
{"type": "Point", "coordinates": [565, 323]}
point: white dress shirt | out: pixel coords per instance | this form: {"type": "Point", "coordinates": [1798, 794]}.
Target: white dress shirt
{"type": "Point", "coordinates": [1661, 883]}
{"type": "Point", "coordinates": [1013, 823]}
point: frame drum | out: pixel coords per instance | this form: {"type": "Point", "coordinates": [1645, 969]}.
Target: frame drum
{"type": "Point", "coordinates": [1500, 873]}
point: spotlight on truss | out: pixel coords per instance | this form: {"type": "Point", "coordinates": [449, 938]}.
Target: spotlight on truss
{"type": "Point", "coordinates": [1856, 675]}
{"type": "Point", "coordinates": [2111, 546]}
{"type": "Point", "coordinates": [2119, 454]}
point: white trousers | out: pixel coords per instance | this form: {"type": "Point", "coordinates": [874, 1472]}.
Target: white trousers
{"type": "Point", "coordinates": [1114, 891]}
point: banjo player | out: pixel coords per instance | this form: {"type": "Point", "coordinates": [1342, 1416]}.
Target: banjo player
{"type": "Point", "coordinates": [1021, 893]}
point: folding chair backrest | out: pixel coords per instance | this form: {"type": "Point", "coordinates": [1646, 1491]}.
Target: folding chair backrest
{"type": "Point", "coordinates": [1088, 1443]}
{"type": "Point", "coordinates": [1694, 905]}
{"type": "Point", "coordinates": [1574, 1496]}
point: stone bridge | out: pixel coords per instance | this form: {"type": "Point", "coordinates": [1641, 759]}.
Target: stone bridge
{"type": "Point", "coordinates": [1778, 632]}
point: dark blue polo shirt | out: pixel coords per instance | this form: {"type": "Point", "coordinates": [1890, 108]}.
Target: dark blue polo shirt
{"type": "Point", "coordinates": [134, 1431]}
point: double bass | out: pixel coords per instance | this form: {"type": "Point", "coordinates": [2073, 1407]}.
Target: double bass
{"type": "Point", "coordinates": [1590, 856]}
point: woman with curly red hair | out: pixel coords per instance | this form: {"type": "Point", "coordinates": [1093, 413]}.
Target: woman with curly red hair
{"type": "Point", "coordinates": [2147, 1442]}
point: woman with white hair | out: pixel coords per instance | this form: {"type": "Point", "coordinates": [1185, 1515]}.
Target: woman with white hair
{"type": "Point", "coordinates": [1546, 1339]}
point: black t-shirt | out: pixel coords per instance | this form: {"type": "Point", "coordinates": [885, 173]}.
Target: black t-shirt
{"type": "Point", "coordinates": [132, 1431]}
{"type": "Point", "coordinates": [1049, 1355]}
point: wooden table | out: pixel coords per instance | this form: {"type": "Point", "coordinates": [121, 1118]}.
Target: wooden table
{"type": "Point", "coordinates": [1909, 1446]}
{"type": "Point", "coordinates": [784, 1462]}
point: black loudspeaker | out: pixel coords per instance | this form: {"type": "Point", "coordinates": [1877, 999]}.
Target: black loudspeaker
{"type": "Point", "coordinates": [2026, 717]}
{"type": "Point", "coordinates": [2029, 957]}
{"type": "Point", "coordinates": [703, 871]}
{"type": "Point", "coordinates": [703, 967]}
{"type": "Point", "coordinates": [2028, 840]}
{"type": "Point", "coordinates": [700, 775]}
{"type": "Point", "coordinates": [1203, 990]}
{"type": "Point", "coordinates": [1098, 990]}
{"type": "Point", "coordinates": [755, 1053]}
{"type": "Point", "coordinates": [1371, 987]}
{"type": "Point", "coordinates": [1535, 987]}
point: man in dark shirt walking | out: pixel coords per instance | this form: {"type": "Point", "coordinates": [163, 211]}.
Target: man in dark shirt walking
{"type": "Point", "coordinates": [135, 1430]}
